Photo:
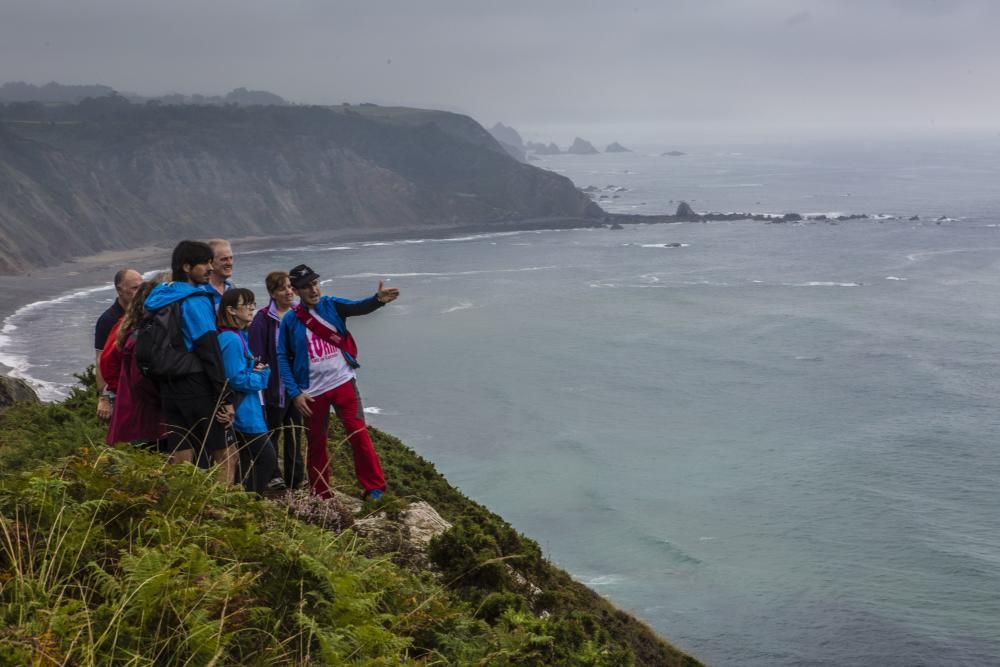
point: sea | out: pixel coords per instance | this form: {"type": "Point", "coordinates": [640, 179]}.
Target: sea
{"type": "Point", "coordinates": [776, 443]}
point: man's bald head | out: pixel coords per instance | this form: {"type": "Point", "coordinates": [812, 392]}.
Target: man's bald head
{"type": "Point", "coordinates": [127, 282]}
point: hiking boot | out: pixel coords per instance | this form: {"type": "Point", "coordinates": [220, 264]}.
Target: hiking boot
{"type": "Point", "coordinates": [276, 485]}
{"type": "Point", "coordinates": [374, 494]}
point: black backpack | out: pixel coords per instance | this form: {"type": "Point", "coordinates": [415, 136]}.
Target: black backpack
{"type": "Point", "coordinates": [160, 353]}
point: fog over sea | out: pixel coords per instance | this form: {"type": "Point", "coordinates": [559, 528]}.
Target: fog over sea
{"type": "Point", "coordinates": [776, 443]}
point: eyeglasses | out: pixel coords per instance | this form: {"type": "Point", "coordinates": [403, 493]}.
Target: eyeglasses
{"type": "Point", "coordinates": [250, 305]}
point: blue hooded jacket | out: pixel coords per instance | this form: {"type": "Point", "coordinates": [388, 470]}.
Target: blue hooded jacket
{"type": "Point", "coordinates": [293, 353]}
{"type": "Point", "coordinates": [197, 326]}
{"type": "Point", "coordinates": [245, 381]}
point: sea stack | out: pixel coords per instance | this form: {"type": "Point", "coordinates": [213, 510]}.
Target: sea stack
{"type": "Point", "coordinates": [581, 147]}
{"type": "Point", "coordinates": [684, 210]}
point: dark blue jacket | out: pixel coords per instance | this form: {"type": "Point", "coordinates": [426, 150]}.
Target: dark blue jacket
{"type": "Point", "coordinates": [293, 354]}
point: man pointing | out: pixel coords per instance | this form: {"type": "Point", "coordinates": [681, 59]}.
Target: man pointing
{"type": "Point", "coordinates": [317, 358]}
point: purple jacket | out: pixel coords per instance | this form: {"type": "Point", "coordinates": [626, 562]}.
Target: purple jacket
{"type": "Point", "coordinates": [263, 338]}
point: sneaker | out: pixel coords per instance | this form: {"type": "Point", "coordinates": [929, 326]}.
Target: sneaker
{"type": "Point", "coordinates": [275, 485]}
{"type": "Point", "coordinates": [374, 494]}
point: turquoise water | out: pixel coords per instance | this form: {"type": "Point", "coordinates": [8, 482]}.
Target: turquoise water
{"type": "Point", "coordinates": [775, 443]}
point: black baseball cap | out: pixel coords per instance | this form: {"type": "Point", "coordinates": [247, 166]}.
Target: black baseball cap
{"type": "Point", "coordinates": [301, 276]}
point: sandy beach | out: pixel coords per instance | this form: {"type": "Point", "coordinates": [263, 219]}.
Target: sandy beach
{"type": "Point", "coordinates": [94, 270]}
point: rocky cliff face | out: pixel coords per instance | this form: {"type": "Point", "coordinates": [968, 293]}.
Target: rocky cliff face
{"type": "Point", "coordinates": [89, 179]}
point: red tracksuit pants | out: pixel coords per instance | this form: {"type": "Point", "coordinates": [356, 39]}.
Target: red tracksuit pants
{"type": "Point", "coordinates": [346, 402]}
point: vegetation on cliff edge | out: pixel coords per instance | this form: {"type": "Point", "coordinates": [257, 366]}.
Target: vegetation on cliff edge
{"type": "Point", "coordinates": [108, 556]}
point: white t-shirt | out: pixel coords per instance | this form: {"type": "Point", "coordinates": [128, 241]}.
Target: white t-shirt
{"type": "Point", "coordinates": [327, 367]}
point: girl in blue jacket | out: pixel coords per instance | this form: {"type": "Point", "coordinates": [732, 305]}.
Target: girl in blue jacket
{"type": "Point", "coordinates": [247, 377]}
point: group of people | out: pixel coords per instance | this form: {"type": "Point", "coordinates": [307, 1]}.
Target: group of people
{"type": "Point", "coordinates": [188, 366]}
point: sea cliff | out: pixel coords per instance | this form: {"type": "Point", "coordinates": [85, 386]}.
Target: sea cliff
{"type": "Point", "coordinates": [106, 174]}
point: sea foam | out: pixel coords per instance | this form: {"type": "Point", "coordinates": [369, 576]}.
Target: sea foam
{"type": "Point", "coordinates": [18, 363]}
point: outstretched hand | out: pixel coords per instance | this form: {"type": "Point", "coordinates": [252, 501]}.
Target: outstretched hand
{"type": "Point", "coordinates": [386, 294]}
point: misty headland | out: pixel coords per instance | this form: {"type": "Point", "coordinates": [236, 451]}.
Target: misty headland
{"type": "Point", "coordinates": [109, 174]}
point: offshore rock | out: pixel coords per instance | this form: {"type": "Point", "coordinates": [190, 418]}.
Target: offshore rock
{"type": "Point", "coordinates": [684, 210]}
{"type": "Point", "coordinates": [615, 147]}
{"type": "Point", "coordinates": [539, 148]}
{"type": "Point", "coordinates": [581, 147]}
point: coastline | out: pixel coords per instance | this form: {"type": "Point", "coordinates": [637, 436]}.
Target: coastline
{"type": "Point", "coordinates": [87, 271]}
{"type": "Point", "coordinates": [19, 290]}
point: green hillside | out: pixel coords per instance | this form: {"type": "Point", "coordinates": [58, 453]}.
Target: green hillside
{"type": "Point", "coordinates": [110, 557]}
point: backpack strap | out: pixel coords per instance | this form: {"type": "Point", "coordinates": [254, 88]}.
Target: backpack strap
{"type": "Point", "coordinates": [178, 335]}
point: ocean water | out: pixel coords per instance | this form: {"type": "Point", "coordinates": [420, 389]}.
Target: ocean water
{"type": "Point", "coordinates": [776, 443]}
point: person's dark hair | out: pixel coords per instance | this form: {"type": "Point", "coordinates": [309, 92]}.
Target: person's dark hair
{"type": "Point", "coordinates": [120, 276]}
{"type": "Point", "coordinates": [189, 252]}
{"type": "Point", "coordinates": [274, 281]}
{"type": "Point", "coordinates": [232, 297]}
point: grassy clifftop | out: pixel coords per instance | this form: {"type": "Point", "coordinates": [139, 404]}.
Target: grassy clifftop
{"type": "Point", "coordinates": [111, 557]}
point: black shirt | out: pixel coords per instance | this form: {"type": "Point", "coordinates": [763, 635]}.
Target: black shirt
{"type": "Point", "coordinates": [105, 323]}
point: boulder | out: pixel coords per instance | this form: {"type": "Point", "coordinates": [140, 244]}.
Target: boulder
{"type": "Point", "coordinates": [914, 218]}
{"type": "Point", "coordinates": [15, 390]}
{"type": "Point", "coordinates": [615, 147]}
{"type": "Point", "coordinates": [581, 147]}
{"type": "Point", "coordinates": [616, 226]}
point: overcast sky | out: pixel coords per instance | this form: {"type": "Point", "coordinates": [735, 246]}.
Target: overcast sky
{"type": "Point", "coordinates": [635, 68]}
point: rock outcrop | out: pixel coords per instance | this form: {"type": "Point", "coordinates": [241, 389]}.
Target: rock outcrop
{"type": "Point", "coordinates": [615, 147]}
{"type": "Point", "coordinates": [507, 135]}
{"type": "Point", "coordinates": [581, 147]}
{"type": "Point", "coordinates": [15, 390]}
{"type": "Point", "coordinates": [539, 148]}
{"type": "Point", "coordinates": [684, 210]}
{"type": "Point", "coordinates": [407, 534]}
{"type": "Point", "coordinates": [673, 154]}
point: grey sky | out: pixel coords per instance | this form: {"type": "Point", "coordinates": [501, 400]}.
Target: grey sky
{"type": "Point", "coordinates": [639, 66]}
